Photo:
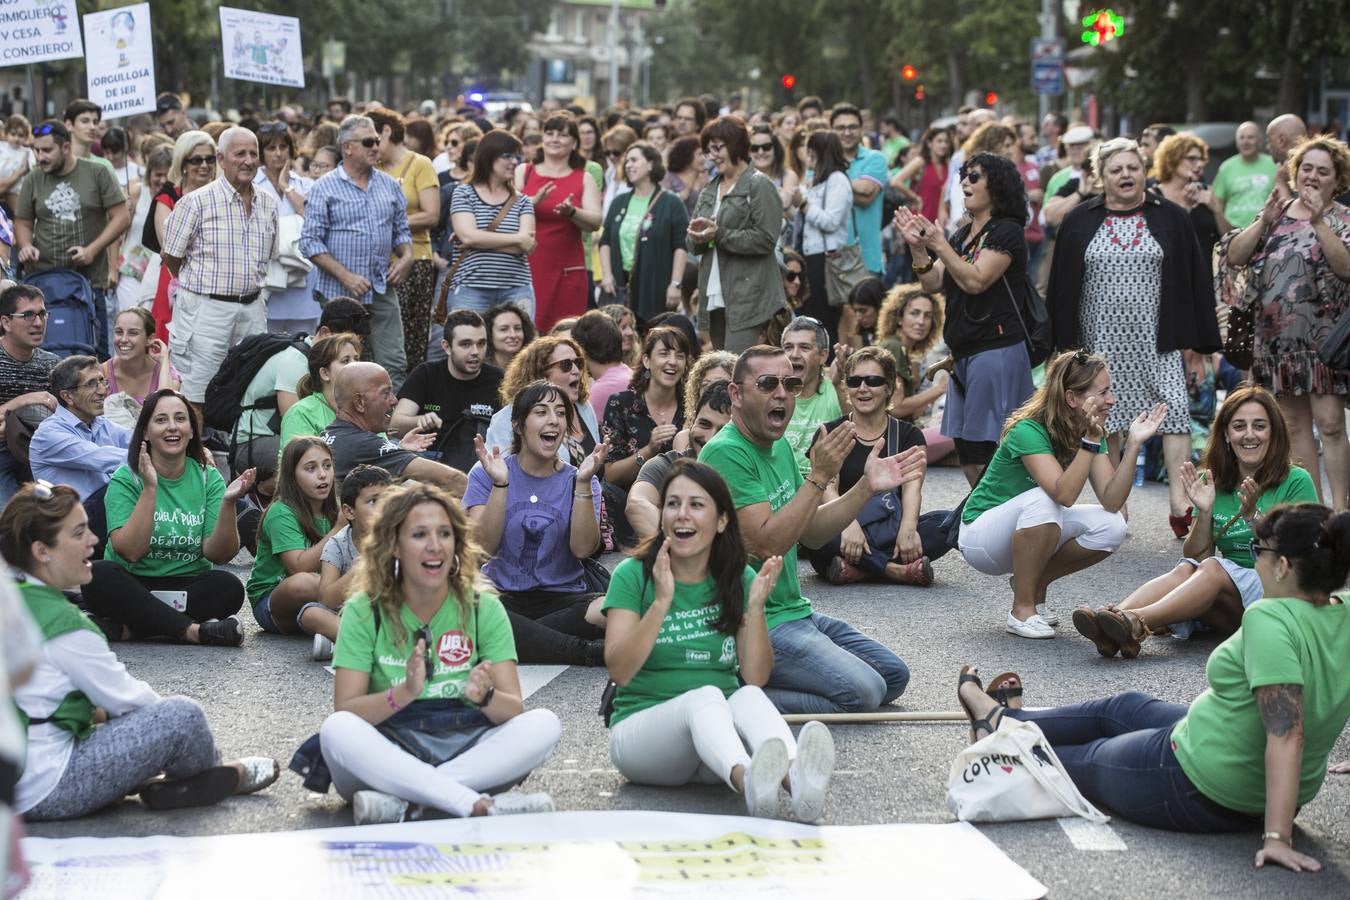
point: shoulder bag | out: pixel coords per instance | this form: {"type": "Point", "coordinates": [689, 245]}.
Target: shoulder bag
{"type": "Point", "coordinates": [441, 302]}
{"type": "Point", "coordinates": [844, 269]}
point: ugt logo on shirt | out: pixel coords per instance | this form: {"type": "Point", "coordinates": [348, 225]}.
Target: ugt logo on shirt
{"type": "Point", "coordinates": [454, 648]}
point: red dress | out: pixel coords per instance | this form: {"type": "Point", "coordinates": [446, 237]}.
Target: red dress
{"type": "Point", "coordinates": [558, 263]}
{"type": "Point", "coordinates": [931, 183]}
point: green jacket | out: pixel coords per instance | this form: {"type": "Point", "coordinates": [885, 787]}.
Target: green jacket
{"type": "Point", "coordinates": [653, 263]}
{"type": "Point", "coordinates": [748, 225]}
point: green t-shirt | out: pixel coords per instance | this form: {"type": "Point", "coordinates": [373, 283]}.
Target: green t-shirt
{"type": "Point", "coordinates": [68, 211]}
{"type": "Point", "coordinates": [454, 651]}
{"type": "Point", "coordinates": [756, 475]}
{"type": "Point", "coordinates": [1221, 744]}
{"type": "Point", "coordinates": [1058, 180]}
{"type": "Point", "coordinates": [628, 228]}
{"type": "Point", "coordinates": [1243, 187]}
{"type": "Point", "coordinates": [280, 373]}
{"type": "Point", "coordinates": [1297, 487]}
{"type": "Point", "coordinates": [307, 416]}
{"type": "Point", "coordinates": [279, 533]}
{"type": "Point", "coordinates": [891, 148]}
{"type": "Point", "coordinates": [810, 414]}
{"type": "Point", "coordinates": [688, 653]}
{"type": "Point", "coordinates": [185, 513]}
{"type": "Point", "coordinates": [1007, 476]}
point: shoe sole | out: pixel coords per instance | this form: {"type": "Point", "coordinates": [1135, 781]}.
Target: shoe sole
{"type": "Point", "coordinates": [763, 777]}
{"type": "Point", "coordinates": [1085, 621]}
{"type": "Point", "coordinates": [924, 577]}
{"type": "Point", "coordinates": [1113, 630]}
{"type": "Point", "coordinates": [363, 809]}
{"type": "Point", "coordinates": [815, 765]}
{"type": "Point", "coordinates": [206, 788]}
{"type": "Point", "coordinates": [1023, 634]}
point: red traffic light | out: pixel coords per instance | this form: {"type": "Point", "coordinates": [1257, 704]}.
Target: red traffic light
{"type": "Point", "coordinates": [908, 72]}
{"type": "Point", "coordinates": [789, 81]}
{"type": "Point", "coordinates": [991, 99]}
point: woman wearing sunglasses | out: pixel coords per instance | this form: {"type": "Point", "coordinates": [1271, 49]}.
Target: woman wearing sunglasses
{"type": "Point", "coordinates": [559, 361]}
{"type": "Point", "coordinates": [193, 166]}
{"type": "Point", "coordinates": [95, 733]}
{"type": "Point", "coordinates": [1248, 470]}
{"type": "Point", "coordinates": [1251, 750]}
{"type": "Point", "coordinates": [489, 264]}
{"type": "Point", "coordinates": [768, 157]}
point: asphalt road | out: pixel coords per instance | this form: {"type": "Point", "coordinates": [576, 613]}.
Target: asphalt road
{"type": "Point", "coordinates": [268, 697]}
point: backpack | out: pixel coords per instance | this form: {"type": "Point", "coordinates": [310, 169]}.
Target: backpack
{"type": "Point", "coordinates": [72, 325]}
{"type": "Point", "coordinates": [225, 394]}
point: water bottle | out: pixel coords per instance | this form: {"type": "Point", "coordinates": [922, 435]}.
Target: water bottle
{"type": "Point", "coordinates": [1139, 468]}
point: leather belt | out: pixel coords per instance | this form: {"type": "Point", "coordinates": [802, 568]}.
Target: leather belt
{"type": "Point", "coordinates": [241, 299]}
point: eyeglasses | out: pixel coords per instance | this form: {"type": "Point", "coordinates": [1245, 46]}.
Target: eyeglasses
{"type": "Point", "coordinates": [566, 365]}
{"type": "Point", "coordinates": [1258, 549]}
{"type": "Point", "coordinates": [872, 381]}
{"type": "Point", "coordinates": [30, 315]}
{"type": "Point", "coordinates": [44, 129]}
{"type": "Point", "coordinates": [761, 148]}
{"type": "Point", "coordinates": [767, 384]}
{"type": "Point", "coordinates": [512, 157]}
{"type": "Point", "coordinates": [272, 128]}
{"type": "Point", "coordinates": [94, 383]}
{"type": "Point", "coordinates": [715, 147]}
{"type": "Point", "coordinates": [971, 175]}
{"type": "Point", "coordinates": [199, 161]}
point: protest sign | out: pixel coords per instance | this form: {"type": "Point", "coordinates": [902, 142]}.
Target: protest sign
{"type": "Point", "coordinates": [120, 60]}
{"type": "Point", "coordinates": [261, 47]}
{"type": "Point", "coordinates": [34, 31]}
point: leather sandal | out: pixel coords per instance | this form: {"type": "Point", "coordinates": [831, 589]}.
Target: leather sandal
{"type": "Point", "coordinates": [1005, 695]}
{"type": "Point", "coordinates": [1125, 627]}
{"type": "Point", "coordinates": [1085, 620]}
{"type": "Point", "coordinates": [990, 723]}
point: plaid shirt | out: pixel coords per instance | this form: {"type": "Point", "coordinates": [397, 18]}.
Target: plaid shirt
{"type": "Point", "coordinates": [359, 227]}
{"type": "Point", "coordinates": [224, 249]}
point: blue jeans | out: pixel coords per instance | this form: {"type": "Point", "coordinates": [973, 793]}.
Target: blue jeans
{"type": "Point", "coordinates": [481, 299]}
{"type": "Point", "coordinates": [1118, 751]}
{"type": "Point", "coordinates": [101, 326]}
{"type": "Point", "coordinates": [9, 475]}
{"type": "Point", "coordinates": [824, 665]}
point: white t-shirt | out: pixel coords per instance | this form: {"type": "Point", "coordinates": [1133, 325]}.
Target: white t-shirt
{"type": "Point", "coordinates": [714, 298]}
{"type": "Point", "coordinates": [20, 648]}
{"type": "Point", "coordinates": [15, 159]}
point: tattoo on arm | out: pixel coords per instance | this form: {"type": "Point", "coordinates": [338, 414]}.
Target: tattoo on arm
{"type": "Point", "coordinates": [1281, 707]}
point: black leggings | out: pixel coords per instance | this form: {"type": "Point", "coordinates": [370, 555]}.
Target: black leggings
{"type": "Point", "coordinates": [116, 594]}
{"type": "Point", "coordinates": [551, 627]}
{"type": "Point", "coordinates": [817, 303]}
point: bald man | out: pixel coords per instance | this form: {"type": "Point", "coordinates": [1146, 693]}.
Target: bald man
{"type": "Point", "coordinates": [1282, 134]}
{"type": "Point", "coordinates": [365, 400]}
{"type": "Point", "coordinates": [1243, 182]}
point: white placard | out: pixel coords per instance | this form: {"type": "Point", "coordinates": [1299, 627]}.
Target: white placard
{"type": "Point", "coordinates": [34, 31]}
{"type": "Point", "coordinates": [120, 60]}
{"type": "Point", "coordinates": [261, 47]}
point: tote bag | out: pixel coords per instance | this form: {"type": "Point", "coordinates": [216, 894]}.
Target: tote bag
{"type": "Point", "coordinates": [844, 268]}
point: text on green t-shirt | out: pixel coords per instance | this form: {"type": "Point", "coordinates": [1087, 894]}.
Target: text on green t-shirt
{"type": "Point", "coordinates": [185, 514]}
{"type": "Point", "coordinates": [1236, 542]}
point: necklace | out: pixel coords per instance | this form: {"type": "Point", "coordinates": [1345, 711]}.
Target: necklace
{"type": "Point", "coordinates": [1126, 229]}
{"type": "Point", "coordinates": [870, 440]}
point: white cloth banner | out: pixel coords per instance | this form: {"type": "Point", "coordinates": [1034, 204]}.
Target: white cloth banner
{"type": "Point", "coordinates": [34, 31]}
{"type": "Point", "coordinates": [261, 47]}
{"type": "Point", "coordinates": [120, 60]}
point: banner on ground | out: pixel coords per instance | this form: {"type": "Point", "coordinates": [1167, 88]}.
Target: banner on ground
{"type": "Point", "coordinates": [120, 60]}
{"type": "Point", "coordinates": [261, 47]}
{"type": "Point", "coordinates": [34, 31]}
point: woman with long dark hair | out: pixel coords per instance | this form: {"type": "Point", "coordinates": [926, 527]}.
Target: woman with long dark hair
{"type": "Point", "coordinates": [825, 206]}
{"type": "Point", "coordinates": [688, 646]}
{"type": "Point", "coordinates": [509, 330]}
{"type": "Point", "coordinates": [768, 155]}
{"type": "Point", "coordinates": [930, 168]}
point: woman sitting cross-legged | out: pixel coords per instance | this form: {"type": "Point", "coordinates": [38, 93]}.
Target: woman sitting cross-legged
{"type": "Point", "coordinates": [170, 518]}
{"type": "Point", "coordinates": [539, 517]}
{"type": "Point", "coordinates": [96, 734]}
{"type": "Point", "coordinates": [1022, 516]}
{"type": "Point", "coordinates": [688, 646]}
{"type": "Point", "coordinates": [1247, 471]}
{"type": "Point", "coordinates": [1253, 748]}
{"type": "Point", "coordinates": [427, 694]}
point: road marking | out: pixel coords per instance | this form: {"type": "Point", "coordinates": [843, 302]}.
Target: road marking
{"type": "Point", "coordinates": [1090, 836]}
{"type": "Point", "coordinates": [532, 678]}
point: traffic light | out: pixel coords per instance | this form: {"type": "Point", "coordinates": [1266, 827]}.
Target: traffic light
{"type": "Point", "coordinates": [991, 99]}
{"type": "Point", "coordinates": [1102, 26]}
{"type": "Point", "coordinates": [789, 81]}
{"type": "Point", "coordinates": [918, 93]}
{"type": "Point", "coordinates": [908, 72]}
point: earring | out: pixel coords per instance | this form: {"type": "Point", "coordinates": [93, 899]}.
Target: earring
{"type": "Point", "coordinates": [396, 568]}
{"type": "Point", "coordinates": [455, 569]}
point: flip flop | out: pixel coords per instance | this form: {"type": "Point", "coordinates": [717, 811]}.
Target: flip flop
{"type": "Point", "coordinates": [1006, 695]}
{"type": "Point", "coordinates": [206, 788]}
{"type": "Point", "coordinates": [990, 723]}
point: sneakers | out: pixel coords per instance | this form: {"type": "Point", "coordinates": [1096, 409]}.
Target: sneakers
{"type": "Point", "coordinates": [374, 808]}
{"type": "Point", "coordinates": [763, 777]}
{"type": "Point", "coordinates": [515, 803]}
{"type": "Point", "coordinates": [841, 572]}
{"type": "Point", "coordinates": [918, 573]}
{"type": "Point", "coordinates": [222, 633]}
{"type": "Point", "coordinates": [810, 773]}
{"type": "Point", "coordinates": [322, 649]}
{"type": "Point", "coordinates": [1034, 627]}
{"type": "Point", "coordinates": [259, 772]}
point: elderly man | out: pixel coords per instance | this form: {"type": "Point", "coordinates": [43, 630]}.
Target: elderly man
{"type": "Point", "coordinates": [821, 664]}
{"type": "Point", "coordinates": [355, 219]}
{"type": "Point", "coordinates": [365, 401]}
{"type": "Point", "coordinates": [1282, 134]}
{"type": "Point", "coordinates": [1243, 182]}
{"type": "Point", "coordinates": [218, 242]}
{"type": "Point", "coordinates": [25, 368]}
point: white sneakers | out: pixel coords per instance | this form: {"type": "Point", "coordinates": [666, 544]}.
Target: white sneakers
{"type": "Point", "coordinates": [515, 803]}
{"type": "Point", "coordinates": [374, 808]}
{"type": "Point", "coordinates": [259, 772]}
{"type": "Point", "coordinates": [810, 773]}
{"type": "Point", "coordinates": [322, 649]}
{"type": "Point", "coordinates": [763, 777]}
{"type": "Point", "coordinates": [1034, 627]}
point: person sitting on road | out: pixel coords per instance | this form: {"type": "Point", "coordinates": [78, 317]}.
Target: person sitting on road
{"type": "Point", "coordinates": [1022, 518]}
{"type": "Point", "coordinates": [688, 646]}
{"type": "Point", "coordinates": [316, 409]}
{"type": "Point", "coordinates": [1248, 470]}
{"type": "Point", "coordinates": [712, 411]}
{"type": "Point", "coordinates": [417, 602]}
{"type": "Point", "coordinates": [337, 564]}
{"type": "Point", "coordinates": [25, 369]}
{"type": "Point", "coordinates": [807, 345]}
{"type": "Point", "coordinates": [298, 525]}
{"type": "Point", "coordinates": [559, 361]}
{"type": "Point", "coordinates": [889, 540]}
{"type": "Point", "coordinates": [95, 733]}
{"type": "Point", "coordinates": [821, 664]}
{"type": "Point", "coordinates": [140, 362]}
{"type": "Point", "coordinates": [538, 517]}
{"type": "Point", "coordinates": [911, 324]}
{"type": "Point", "coordinates": [365, 401]}
{"type": "Point", "coordinates": [1252, 749]}
{"type": "Point", "coordinates": [170, 518]}
{"type": "Point", "coordinates": [601, 343]}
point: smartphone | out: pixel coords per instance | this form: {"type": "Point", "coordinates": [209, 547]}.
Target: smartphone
{"type": "Point", "coordinates": [175, 599]}
{"type": "Point", "coordinates": [422, 634]}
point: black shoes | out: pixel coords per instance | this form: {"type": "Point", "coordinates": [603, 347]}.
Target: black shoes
{"type": "Point", "coordinates": [221, 633]}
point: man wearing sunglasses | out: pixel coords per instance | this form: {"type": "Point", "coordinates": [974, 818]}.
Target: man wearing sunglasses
{"type": "Point", "coordinates": [821, 664]}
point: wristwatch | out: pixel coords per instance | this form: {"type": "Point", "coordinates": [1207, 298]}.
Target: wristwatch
{"type": "Point", "coordinates": [639, 457]}
{"type": "Point", "coordinates": [1090, 447]}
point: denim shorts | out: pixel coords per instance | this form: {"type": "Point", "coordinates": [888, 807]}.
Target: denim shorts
{"type": "Point", "coordinates": [262, 614]}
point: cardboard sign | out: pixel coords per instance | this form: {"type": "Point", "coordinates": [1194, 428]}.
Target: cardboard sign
{"type": "Point", "coordinates": [120, 60]}
{"type": "Point", "coordinates": [261, 47]}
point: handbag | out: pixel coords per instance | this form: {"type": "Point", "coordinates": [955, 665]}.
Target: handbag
{"type": "Point", "coordinates": [844, 269]}
{"type": "Point", "coordinates": [1335, 348]}
{"type": "Point", "coordinates": [1013, 775]}
{"type": "Point", "coordinates": [441, 311]}
{"type": "Point", "coordinates": [1240, 340]}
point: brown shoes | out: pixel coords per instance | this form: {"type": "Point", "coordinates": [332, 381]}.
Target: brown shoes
{"type": "Point", "coordinates": [1085, 620]}
{"type": "Point", "coordinates": [1123, 628]}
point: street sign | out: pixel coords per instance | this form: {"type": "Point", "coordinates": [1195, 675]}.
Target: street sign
{"type": "Point", "coordinates": [1047, 66]}
{"type": "Point", "coordinates": [1047, 50]}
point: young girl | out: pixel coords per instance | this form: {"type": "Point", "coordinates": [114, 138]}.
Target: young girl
{"type": "Point", "coordinates": [1021, 517]}
{"type": "Point", "coordinates": [284, 586]}
{"type": "Point", "coordinates": [686, 628]}
{"type": "Point", "coordinates": [316, 409]}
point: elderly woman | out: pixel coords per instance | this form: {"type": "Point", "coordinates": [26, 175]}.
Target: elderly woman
{"type": "Point", "coordinates": [292, 309]}
{"type": "Point", "coordinates": [734, 230]}
{"type": "Point", "coordinates": [642, 245]}
{"type": "Point", "coordinates": [1128, 282]}
{"type": "Point", "coordinates": [1180, 164]}
{"type": "Point", "coordinates": [1298, 266]}
{"type": "Point", "coordinates": [193, 166]}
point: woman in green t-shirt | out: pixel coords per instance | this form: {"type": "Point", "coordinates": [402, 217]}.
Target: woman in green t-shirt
{"type": "Point", "coordinates": [1247, 471]}
{"type": "Point", "coordinates": [428, 700]}
{"type": "Point", "coordinates": [686, 618]}
{"type": "Point", "coordinates": [1253, 748]}
{"type": "Point", "coordinates": [316, 409]}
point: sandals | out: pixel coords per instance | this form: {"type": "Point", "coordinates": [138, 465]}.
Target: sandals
{"type": "Point", "coordinates": [989, 723]}
{"type": "Point", "coordinates": [1006, 695]}
{"type": "Point", "coordinates": [1123, 627]}
{"type": "Point", "coordinates": [1085, 620]}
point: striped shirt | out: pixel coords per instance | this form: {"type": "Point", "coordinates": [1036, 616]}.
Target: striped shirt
{"type": "Point", "coordinates": [225, 248]}
{"type": "Point", "coordinates": [490, 268]}
{"type": "Point", "coordinates": [359, 227]}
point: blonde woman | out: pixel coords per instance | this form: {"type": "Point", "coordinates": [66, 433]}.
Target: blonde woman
{"type": "Point", "coordinates": [193, 166]}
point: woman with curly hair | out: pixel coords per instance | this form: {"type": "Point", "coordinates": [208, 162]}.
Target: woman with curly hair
{"type": "Point", "coordinates": [908, 326]}
{"type": "Point", "coordinates": [1180, 166]}
{"type": "Point", "coordinates": [558, 360]}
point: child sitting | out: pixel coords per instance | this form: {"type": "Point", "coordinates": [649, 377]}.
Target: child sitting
{"type": "Point", "coordinates": [337, 566]}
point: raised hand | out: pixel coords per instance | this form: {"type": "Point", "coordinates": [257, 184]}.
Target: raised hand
{"type": "Point", "coordinates": [661, 437]}
{"type": "Point", "coordinates": [1274, 208]}
{"type": "Point", "coordinates": [149, 476]}
{"type": "Point", "coordinates": [764, 582]}
{"type": "Point", "coordinates": [494, 464]}
{"type": "Point", "coordinates": [836, 366]}
{"type": "Point", "coordinates": [417, 439]}
{"type": "Point", "coordinates": [1248, 493]}
{"type": "Point", "coordinates": [1146, 424]}
{"type": "Point", "coordinates": [883, 473]}
{"type": "Point", "coordinates": [663, 579]}
{"type": "Point", "coordinates": [543, 193]}
{"type": "Point", "coordinates": [593, 462]}
{"type": "Point", "coordinates": [830, 451]}
{"type": "Point", "coordinates": [240, 485]}
{"type": "Point", "coordinates": [1199, 489]}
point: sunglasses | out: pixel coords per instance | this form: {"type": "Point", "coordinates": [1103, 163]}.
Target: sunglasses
{"type": "Point", "coordinates": [512, 157]}
{"type": "Point", "coordinates": [43, 489]}
{"type": "Point", "coordinates": [972, 176]}
{"type": "Point", "coordinates": [1258, 549]}
{"type": "Point", "coordinates": [872, 381]}
{"type": "Point", "coordinates": [767, 384]}
{"type": "Point", "coordinates": [168, 106]}
{"type": "Point", "coordinates": [566, 365]}
{"type": "Point", "coordinates": [272, 128]}
{"type": "Point", "coordinates": [761, 148]}
{"type": "Point", "coordinates": [199, 161]}
{"type": "Point", "coordinates": [44, 129]}
{"type": "Point", "coordinates": [368, 142]}
{"type": "Point", "coordinates": [790, 275]}
{"type": "Point", "coordinates": [614, 154]}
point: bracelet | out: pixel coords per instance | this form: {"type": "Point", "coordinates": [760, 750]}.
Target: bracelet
{"type": "Point", "coordinates": [496, 485]}
{"type": "Point", "coordinates": [487, 696]}
{"type": "Point", "coordinates": [389, 698]}
{"type": "Point", "coordinates": [1085, 444]}
{"type": "Point", "coordinates": [920, 270]}
{"type": "Point", "coordinates": [1276, 836]}
{"type": "Point", "coordinates": [577, 495]}
{"type": "Point", "coordinates": [820, 487]}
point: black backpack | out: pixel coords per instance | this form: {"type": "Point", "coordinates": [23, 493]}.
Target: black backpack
{"type": "Point", "coordinates": [225, 394]}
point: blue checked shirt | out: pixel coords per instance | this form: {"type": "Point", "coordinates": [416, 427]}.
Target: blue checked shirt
{"type": "Point", "coordinates": [359, 228]}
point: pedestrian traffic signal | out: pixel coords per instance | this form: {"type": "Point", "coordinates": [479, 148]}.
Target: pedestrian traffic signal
{"type": "Point", "coordinates": [1102, 26]}
{"type": "Point", "coordinates": [991, 99]}
{"type": "Point", "coordinates": [789, 81]}
{"type": "Point", "coordinates": [908, 72]}
{"type": "Point", "coordinates": [918, 93]}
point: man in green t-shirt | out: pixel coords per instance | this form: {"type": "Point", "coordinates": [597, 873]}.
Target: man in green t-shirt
{"type": "Point", "coordinates": [807, 345]}
{"type": "Point", "coordinates": [821, 664]}
{"type": "Point", "coordinates": [1243, 182]}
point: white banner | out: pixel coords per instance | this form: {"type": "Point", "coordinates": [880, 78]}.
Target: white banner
{"type": "Point", "coordinates": [261, 47]}
{"type": "Point", "coordinates": [34, 31]}
{"type": "Point", "coordinates": [120, 60]}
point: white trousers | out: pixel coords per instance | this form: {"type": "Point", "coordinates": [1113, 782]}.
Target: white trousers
{"type": "Point", "coordinates": [201, 333]}
{"type": "Point", "coordinates": [987, 543]}
{"type": "Point", "coordinates": [360, 758]}
{"type": "Point", "coordinates": [698, 736]}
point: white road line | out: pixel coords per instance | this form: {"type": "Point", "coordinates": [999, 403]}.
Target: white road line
{"type": "Point", "coordinates": [532, 678]}
{"type": "Point", "coordinates": [1090, 836]}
